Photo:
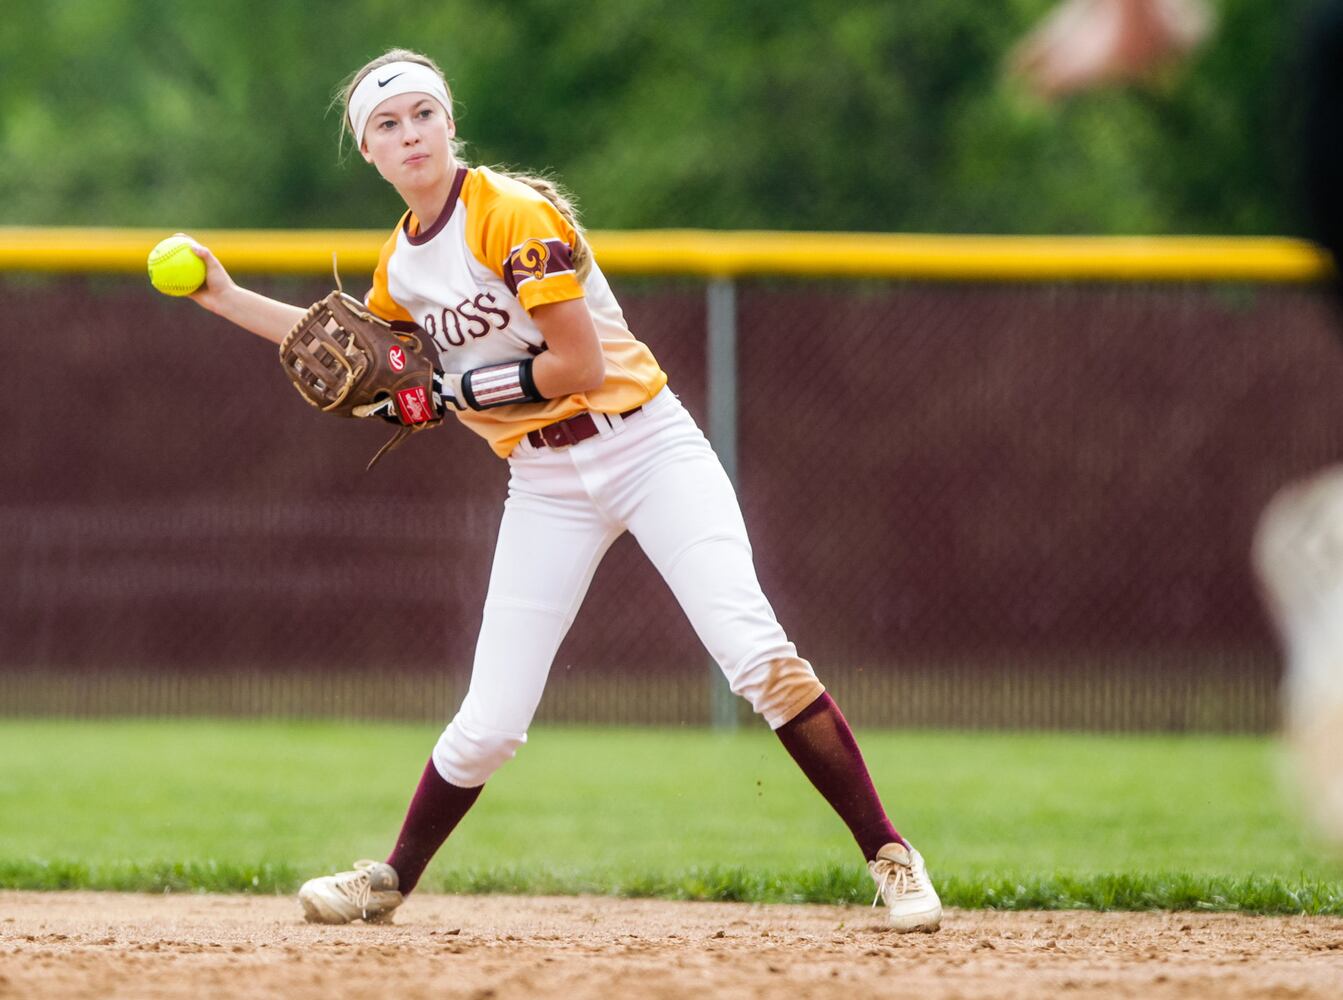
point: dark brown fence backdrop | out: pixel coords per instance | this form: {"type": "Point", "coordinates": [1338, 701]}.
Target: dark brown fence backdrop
{"type": "Point", "coordinates": [970, 505]}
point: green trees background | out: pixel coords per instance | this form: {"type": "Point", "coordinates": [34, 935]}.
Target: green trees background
{"type": "Point", "coordinates": [807, 114]}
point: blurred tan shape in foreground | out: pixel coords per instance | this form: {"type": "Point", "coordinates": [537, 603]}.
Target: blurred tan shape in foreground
{"type": "Point", "coordinates": [1085, 43]}
{"type": "Point", "coordinates": [1298, 555]}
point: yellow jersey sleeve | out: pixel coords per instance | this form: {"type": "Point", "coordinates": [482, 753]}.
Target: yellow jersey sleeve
{"type": "Point", "coordinates": [518, 234]}
{"type": "Point", "coordinates": [379, 300]}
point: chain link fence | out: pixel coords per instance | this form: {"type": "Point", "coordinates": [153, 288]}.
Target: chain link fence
{"type": "Point", "coordinates": [971, 505]}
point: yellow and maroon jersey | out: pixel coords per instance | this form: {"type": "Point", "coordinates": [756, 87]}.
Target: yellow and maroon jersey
{"type": "Point", "coordinates": [470, 280]}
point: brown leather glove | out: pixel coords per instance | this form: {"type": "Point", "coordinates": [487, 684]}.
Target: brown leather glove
{"type": "Point", "coordinates": [344, 360]}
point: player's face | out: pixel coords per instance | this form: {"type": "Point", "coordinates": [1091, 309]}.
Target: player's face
{"type": "Point", "coordinates": [409, 140]}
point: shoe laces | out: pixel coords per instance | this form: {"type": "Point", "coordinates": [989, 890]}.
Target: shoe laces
{"type": "Point", "coordinates": [356, 886]}
{"type": "Point", "coordinates": [893, 880]}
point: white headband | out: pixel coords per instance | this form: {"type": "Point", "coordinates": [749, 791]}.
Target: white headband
{"type": "Point", "coordinates": [393, 80]}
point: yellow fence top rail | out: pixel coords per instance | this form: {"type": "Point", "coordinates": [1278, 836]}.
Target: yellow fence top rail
{"type": "Point", "coordinates": [712, 254]}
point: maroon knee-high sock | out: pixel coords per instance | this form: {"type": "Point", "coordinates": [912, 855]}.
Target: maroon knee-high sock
{"type": "Point", "coordinates": [820, 740]}
{"type": "Point", "coordinates": [434, 810]}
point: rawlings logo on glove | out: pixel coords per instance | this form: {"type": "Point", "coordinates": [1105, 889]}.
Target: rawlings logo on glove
{"type": "Point", "coordinates": [344, 360]}
{"type": "Point", "coordinates": [413, 405]}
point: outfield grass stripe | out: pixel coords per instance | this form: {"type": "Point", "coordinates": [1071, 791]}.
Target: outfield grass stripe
{"type": "Point", "coordinates": [154, 876]}
{"type": "Point", "coordinates": [831, 884]}
{"type": "Point", "coordinates": [1006, 820]}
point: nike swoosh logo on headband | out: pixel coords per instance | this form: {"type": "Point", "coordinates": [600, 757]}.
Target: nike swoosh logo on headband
{"type": "Point", "coordinates": [383, 83]}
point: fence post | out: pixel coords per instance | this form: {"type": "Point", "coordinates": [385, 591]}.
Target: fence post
{"type": "Point", "coordinates": [721, 391]}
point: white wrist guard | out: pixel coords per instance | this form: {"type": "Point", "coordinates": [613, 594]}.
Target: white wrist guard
{"type": "Point", "coordinates": [499, 385]}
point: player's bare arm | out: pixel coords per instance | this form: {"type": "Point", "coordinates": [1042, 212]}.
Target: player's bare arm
{"type": "Point", "coordinates": [221, 295]}
{"type": "Point", "coordinates": [572, 361]}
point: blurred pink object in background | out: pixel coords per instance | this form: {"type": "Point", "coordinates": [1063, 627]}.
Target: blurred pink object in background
{"type": "Point", "coordinates": [1083, 43]}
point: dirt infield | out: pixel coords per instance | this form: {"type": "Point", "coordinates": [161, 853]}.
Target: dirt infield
{"type": "Point", "coordinates": [499, 947]}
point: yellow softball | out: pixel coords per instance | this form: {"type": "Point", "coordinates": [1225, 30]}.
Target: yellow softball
{"type": "Point", "coordinates": [174, 268]}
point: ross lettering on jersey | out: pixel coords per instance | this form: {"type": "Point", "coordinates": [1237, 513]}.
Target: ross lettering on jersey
{"type": "Point", "coordinates": [469, 319]}
{"type": "Point", "coordinates": [413, 404]}
{"type": "Point", "coordinates": [535, 260]}
{"type": "Point", "coordinates": [487, 303]}
{"type": "Point", "coordinates": [396, 357]}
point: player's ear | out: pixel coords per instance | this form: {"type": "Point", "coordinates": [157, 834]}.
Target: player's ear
{"type": "Point", "coordinates": [452, 128]}
{"type": "Point", "coordinates": [363, 151]}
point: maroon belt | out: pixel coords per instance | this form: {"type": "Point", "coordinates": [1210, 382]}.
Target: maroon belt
{"type": "Point", "coordinates": [563, 433]}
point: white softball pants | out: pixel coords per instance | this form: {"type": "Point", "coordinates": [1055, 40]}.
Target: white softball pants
{"type": "Point", "coordinates": [655, 475]}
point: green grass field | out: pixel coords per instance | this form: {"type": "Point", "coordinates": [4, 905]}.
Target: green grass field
{"type": "Point", "coordinates": [1004, 819]}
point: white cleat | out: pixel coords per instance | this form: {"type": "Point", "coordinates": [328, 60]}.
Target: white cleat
{"type": "Point", "coordinates": [368, 893]}
{"type": "Point", "coordinates": [902, 881]}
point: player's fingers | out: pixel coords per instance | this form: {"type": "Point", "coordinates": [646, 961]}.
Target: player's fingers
{"type": "Point", "coordinates": [203, 252]}
{"type": "Point", "coordinates": [215, 274]}
{"type": "Point", "coordinates": [217, 279]}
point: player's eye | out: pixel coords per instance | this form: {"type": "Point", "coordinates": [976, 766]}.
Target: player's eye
{"type": "Point", "coordinates": [426, 112]}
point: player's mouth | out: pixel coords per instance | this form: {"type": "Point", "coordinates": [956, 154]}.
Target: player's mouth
{"type": "Point", "coordinates": [410, 161]}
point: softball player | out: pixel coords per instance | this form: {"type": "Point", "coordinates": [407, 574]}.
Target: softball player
{"type": "Point", "coordinates": [537, 360]}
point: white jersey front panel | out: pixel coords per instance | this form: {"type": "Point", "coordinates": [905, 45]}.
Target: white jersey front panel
{"type": "Point", "coordinates": [469, 281]}
{"type": "Point", "coordinates": [467, 310]}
